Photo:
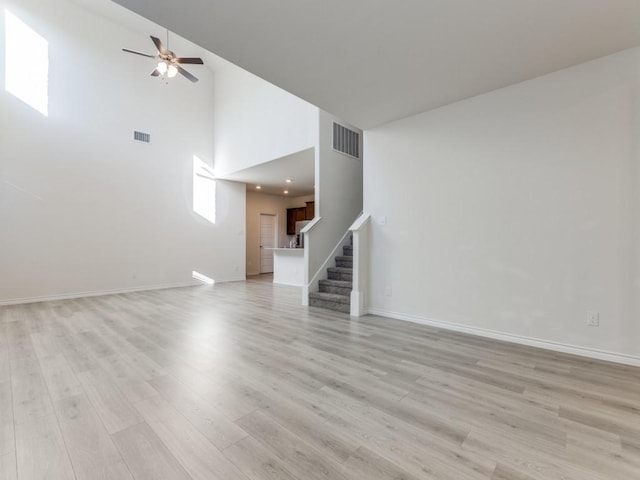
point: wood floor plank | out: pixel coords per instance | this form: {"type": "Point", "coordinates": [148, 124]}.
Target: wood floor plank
{"type": "Point", "coordinates": [116, 412]}
{"type": "Point", "coordinates": [302, 417]}
{"type": "Point", "coordinates": [98, 346]}
{"type": "Point", "coordinates": [199, 457]}
{"type": "Point", "coordinates": [206, 418]}
{"type": "Point", "coordinates": [544, 466]}
{"type": "Point", "coordinates": [239, 381]}
{"type": "Point", "coordinates": [41, 452]}
{"type": "Point", "coordinates": [130, 382]}
{"type": "Point", "coordinates": [8, 469]}
{"type": "Point", "coordinates": [540, 428]}
{"type": "Point", "coordinates": [593, 440]}
{"type": "Point", "coordinates": [147, 456]}
{"type": "Point", "coordinates": [45, 344]}
{"type": "Point", "coordinates": [232, 399]}
{"type": "Point", "coordinates": [418, 450]}
{"type": "Point", "coordinates": [506, 473]}
{"type": "Point", "coordinates": [367, 464]}
{"type": "Point", "coordinates": [30, 396]}
{"type": "Point", "coordinates": [607, 423]}
{"type": "Point", "coordinates": [298, 457]}
{"type": "Point", "coordinates": [92, 452]}
{"type": "Point", "coordinates": [59, 377]}
{"type": "Point", "coordinates": [80, 360]}
{"type": "Point", "coordinates": [5, 372]}
{"type": "Point", "coordinates": [7, 435]}
{"type": "Point", "coordinates": [312, 429]}
{"type": "Point", "coordinates": [256, 462]}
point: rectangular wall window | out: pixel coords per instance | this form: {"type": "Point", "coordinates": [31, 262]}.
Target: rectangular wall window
{"type": "Point", "coordinates": [26, 64]}
{"type": "Point", "coordinates": [204, 190]}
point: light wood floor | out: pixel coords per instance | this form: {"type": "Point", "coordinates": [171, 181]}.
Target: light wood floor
{"type": "Point", "coordinates": [240, 382]}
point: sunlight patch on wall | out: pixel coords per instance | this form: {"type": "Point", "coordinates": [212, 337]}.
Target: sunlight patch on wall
{"type": "Point", "coordinates": [204, 190]}
{"type": "Point", "coordinates": [202, 278]}
{"type": "Point", "coordinates": [26, 64]}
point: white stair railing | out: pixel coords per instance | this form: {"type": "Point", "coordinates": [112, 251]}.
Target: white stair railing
{"type": "Point", "coordinates": [360, 232]}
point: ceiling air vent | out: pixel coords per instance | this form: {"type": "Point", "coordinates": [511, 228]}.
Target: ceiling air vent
{"type": "Point", "coordinates": [346, 141]}
{"type": "Point", "coordinates": [141, 136]}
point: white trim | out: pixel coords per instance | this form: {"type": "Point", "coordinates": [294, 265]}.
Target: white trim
{"type": "Point", "coordinates": [288, 284]}
{"type": "Point", "coordinates": [359, 222]}
{"type": "Point", "coordinates": [360, 232]}
{"type": "Point", "coordinates": [311, 225]}
{"type": "Point", "coordinates": [97, 293]}
{"type": "Point", "coordinates": [313, 284]}
{"type": "Point", "coordinates": [330, 258]}
{"type": "Point", "coordinates": [357, 303]}
{"type": "Point", "coordinates": [519, 339]}
{"type": "Point", "coordinates": [306, 229]}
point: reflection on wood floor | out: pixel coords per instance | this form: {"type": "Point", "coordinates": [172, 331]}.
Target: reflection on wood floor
{"type": "Point", "coordinates": [238, 381]}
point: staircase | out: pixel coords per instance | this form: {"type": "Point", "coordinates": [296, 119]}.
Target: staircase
{"type": "Point", "coordinates": [335, 292]}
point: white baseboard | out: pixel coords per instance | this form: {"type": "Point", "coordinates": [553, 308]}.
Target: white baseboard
{"type": "Point", "coordinates": [97, 293]}
{"type": "Point", "coordinates": [288, 284]}
{"type": "Point", "coordinates": [235, 278]}
{"type": "Point", "coordinates": [507, 337]}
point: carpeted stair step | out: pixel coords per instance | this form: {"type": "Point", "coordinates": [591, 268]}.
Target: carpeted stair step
{"type": "Point", "coordinates": [341, 287]}
{"type": "Point", "coordinates": [340, 273]}
{"type": "Point", "coordinates": [331, 301]}
{"type": "Point", "coordinates": [344, 262]}
{"type": "Point", "coordinates": [335, 292]}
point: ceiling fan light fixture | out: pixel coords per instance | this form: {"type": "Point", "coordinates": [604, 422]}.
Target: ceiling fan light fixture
{"type": "Point", "coordinates": [168, 64]}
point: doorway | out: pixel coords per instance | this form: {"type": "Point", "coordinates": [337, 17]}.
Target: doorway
{"type": "Point", "coordinates": [268, 229]}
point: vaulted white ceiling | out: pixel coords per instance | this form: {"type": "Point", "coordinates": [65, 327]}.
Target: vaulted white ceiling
{"type": "Point", "coordinates": [373, 61]}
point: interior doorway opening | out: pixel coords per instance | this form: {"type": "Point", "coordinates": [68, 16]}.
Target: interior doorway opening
{"type": "Point", "coordinates": [268, 240]}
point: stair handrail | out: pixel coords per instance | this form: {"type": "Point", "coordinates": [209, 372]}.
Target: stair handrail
{"type": "Point", "coordinates": [312, 283]}
{"type": "Point", "coordinates": [360, 231]}
{"type": "Point", "coordinates": [311, 225]}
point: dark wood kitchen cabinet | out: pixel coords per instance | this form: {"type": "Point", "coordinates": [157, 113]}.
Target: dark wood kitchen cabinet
{"type": "Point", "coordinates": [310, 211]}
{"type": "Point", "coordinates": [297, 214]}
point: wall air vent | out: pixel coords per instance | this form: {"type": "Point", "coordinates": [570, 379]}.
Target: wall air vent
{"type": "Point", "coordinates": [346, 141]}
{"type": "Point", "coordinates": [141, 136]}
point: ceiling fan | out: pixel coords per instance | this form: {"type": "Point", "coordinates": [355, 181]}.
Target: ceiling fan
{"type": "Point", "coordinates": [168, 63]}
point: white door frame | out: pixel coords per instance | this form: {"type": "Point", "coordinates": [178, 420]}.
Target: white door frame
{"type": "Point", "coordinates": [274, 226]}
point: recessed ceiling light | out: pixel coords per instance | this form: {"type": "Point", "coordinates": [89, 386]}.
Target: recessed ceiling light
{"type": "Point", "coordinates": [258, 187]}
{"type": "Point", "coordinates": [288, 180]}
{"type": "Point", "coordinates": [286, 192]}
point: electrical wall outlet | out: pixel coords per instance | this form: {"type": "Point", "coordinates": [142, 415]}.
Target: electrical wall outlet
{"type": "Point", "coordinates": [593, 319]}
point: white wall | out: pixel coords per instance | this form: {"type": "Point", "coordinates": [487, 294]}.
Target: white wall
{"type": "Point", "coordinates": [517, 211]}
{"type": "Point", "coordinates": [83, 208]}
{"type": "Point", "coordinates": [256, 122]}
{"type": "Point", "coordinates": [259, 203]}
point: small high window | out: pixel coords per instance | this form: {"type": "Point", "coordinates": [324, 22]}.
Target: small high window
{"type": "Point", "coordinates": [26, 64]}
{"type": "Point", "coordinates": [204, 190]}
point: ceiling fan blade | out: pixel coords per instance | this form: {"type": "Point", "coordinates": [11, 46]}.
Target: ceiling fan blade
{"type": "Point", "coordinates": [156, 41]}
{"type": "Point", "coordinates": [187, 74]}
{"type": "Point", "coordinates": [138, 53]}
{"type": "Point", "coordinates": [155, 73]}
{"type": "Point", "coordinates": [194, 61]}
